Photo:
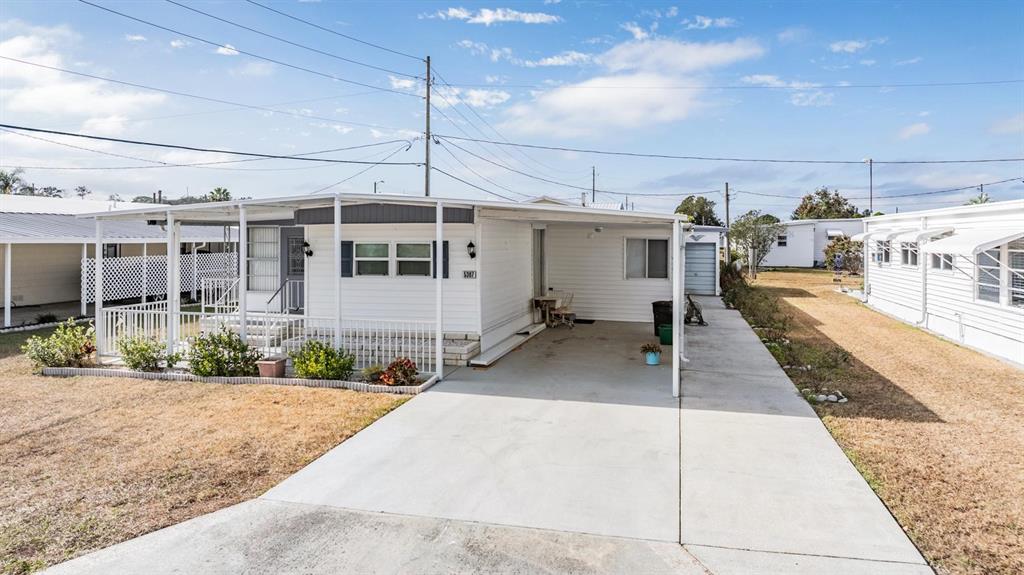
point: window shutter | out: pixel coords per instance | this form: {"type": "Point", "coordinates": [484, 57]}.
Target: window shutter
{"type": "Point", "coordinates": [444, 250]}
{"type": "Point", "coordinates": [346, 259]}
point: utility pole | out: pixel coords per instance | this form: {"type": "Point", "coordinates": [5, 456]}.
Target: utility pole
{"type": "Point", "coordinates": [871, 185]}
{"type": "Point", "coordinates": [593, 184]}
{"type": "Point", "coordinates": [728, 241]}
{"type": "Point", "coordinates": [426, 151]}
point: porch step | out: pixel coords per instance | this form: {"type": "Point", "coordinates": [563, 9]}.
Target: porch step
{"type": "Point", "coordinates": [500, 349]}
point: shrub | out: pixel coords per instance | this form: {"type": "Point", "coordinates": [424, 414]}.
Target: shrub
{"type": "Point", "coordinates": [318, 360]}
{"type": "Point", "coordinates": [372, 373]}
{"type": "Point", "coordinates": [853, 255]}
{"type": "Point", "coordinates": [46, 318]}
{"type": "Point", "coordinates": [650, 348]}
{"type": "Point", "coordinates": [144, 353]}
{"type": "Point", "coordinates": [222, 353]}
{"type": "Point", "coordinates": [70, 345]}
{"type": "Point", "coordinates": [402, 371]}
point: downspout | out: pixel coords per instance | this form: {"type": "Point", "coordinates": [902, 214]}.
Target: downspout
{"type": "Point", "coordinates": [924, 277]}
{"type": "Point", "coordinates": [866, 264]}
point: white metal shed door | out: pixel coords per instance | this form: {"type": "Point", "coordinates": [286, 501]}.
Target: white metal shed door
{"type": "Point", "coordinates": [700, 268]}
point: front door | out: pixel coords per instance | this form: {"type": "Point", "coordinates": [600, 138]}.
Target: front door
{"type": "Point", "coordinates": [540, 280]}
{"type": "Point", "coordinates": [293, 269]}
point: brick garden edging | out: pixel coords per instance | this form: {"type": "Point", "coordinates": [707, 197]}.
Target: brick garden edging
{"type": "Point", "coordinates": [177, 376]}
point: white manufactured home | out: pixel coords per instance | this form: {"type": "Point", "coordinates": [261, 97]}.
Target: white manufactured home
{"type": "Point", "coordinates": [365, 273]}
{"type": "Point", "coordinates": [958, 272]}
{"type": "Point", "coordinates": [803, 243]}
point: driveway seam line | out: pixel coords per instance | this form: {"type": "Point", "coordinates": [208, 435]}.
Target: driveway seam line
{"type": "Point", "coordinates": [805, 554]}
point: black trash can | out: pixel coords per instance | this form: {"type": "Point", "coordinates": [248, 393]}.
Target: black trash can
{"type": "Point", "coordinates": [662, 314]}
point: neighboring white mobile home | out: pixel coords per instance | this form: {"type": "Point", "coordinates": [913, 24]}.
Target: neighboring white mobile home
{"type": "Point", "coordinates": [958, 272]}
{"type": "Point", "coordinates": [359, 270]}
{"type": "Point", "coordinates": [803, 243]}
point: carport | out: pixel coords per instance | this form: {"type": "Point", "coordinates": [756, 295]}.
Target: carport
{"type": "Point", "coordinates": [570, 432]}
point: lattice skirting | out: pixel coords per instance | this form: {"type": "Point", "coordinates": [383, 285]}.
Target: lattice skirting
{"type": "Point", "coordinates": [176, 376]}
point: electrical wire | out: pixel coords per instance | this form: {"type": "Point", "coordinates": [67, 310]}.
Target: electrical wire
{"type": "Point", "coordinates": [727, 159]}
{"type": "Point", "coordinates": [477, 174]}
{"type": "Point", "coordinates": [289, 42]}
{"type": "Point", "coordinates": [250, 54]}
{"type": "Point", "coordinates": [472, 185]}
{"type": "Point", "coordinates": [197, 96]}
{"type": "Point", "coordinates": [199, 149]}
{"type": "Point", "coordinates": [881, 197]}
{"type": "Point", "coordinates": [335, 32]}
{"type": "Point", "coordinates": [364, 170]}
{"type": "Point", "coordinates": [800, 87]}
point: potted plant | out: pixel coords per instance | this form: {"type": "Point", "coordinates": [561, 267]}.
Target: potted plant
{"type": "Point", "coordinates": [652, 353]}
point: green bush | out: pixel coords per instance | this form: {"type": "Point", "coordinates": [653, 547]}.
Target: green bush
{"type": "Point", "coordinates": [318, 360]}
{"type": "Point", "coordinates": [372, 373]}
{"type": "Point", "coordinates": [70, 345]}
{"type": "Point", "coordinates": [223, 354]}
{"type": "Point", "coordinates": [853, 255]}
{"type": "Point", "coordinates": [145, 353]}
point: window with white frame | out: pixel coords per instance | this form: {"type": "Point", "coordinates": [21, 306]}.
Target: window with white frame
{"type": "Point", "coordinates": [413, 259]}
{"type": "Point", "coordinates": [373, 259]}
{"type": "Point", "coordinates": [1015, 263]}
{"type": "Point", "coordinates": [942, 262]}
{"type": "Point", "coordinates": [908, 254]}
{"type": "Point", "coordinates": [781, 241]}
{"type": "Point", "coordinates": [987, 275]}
{"type": "Point", "coordinates": [262, 264]}
{"type": "Point", "coordinates": [646, 258]}
{"type": "Point", "coordinates": [883, 252]}
{"type": "Point", "coordinates": [111, 250]}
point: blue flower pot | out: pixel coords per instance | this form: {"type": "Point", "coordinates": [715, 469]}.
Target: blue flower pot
{"type": "Point", "coordinates": [653, 357]}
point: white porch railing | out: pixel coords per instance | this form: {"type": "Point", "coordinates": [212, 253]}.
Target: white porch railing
{"type": "Point", "coordinates": [143, 276]}
{"type": "Point", "coordinates": [219, 295]}
{"type": "Point", "coordinates": [370, 341]}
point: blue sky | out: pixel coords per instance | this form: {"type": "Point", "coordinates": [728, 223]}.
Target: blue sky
{"type": "Point", "coordinates": [575, 74]}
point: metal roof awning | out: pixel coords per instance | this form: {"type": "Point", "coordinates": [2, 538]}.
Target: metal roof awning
{"type": "Point", "coordinates": [970, 242]}
{"type": "Point", "coordinates": [835, 233]}
{"type": "Point", "coordinates": [878, 235]}
{"type": "Point", "coordinates": [68, 229]}
{"type": "Point", "coordinates": [916, 236]}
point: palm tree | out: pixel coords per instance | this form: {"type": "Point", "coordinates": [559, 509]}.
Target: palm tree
{"type": "Point", "coordinates": [11, 181]}
{"type": "Point", "coordinates": [981, 198]}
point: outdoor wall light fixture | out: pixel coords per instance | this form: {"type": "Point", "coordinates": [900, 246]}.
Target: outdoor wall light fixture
{"type": "Point", "coordinates": [307, 250]}
{"type": "Point", "coordinates": [471, 250]}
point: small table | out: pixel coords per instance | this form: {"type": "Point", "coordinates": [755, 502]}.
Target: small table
{"type": "Point", "coordinates": [546, 304]}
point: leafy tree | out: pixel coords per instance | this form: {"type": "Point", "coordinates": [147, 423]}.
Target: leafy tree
{"type": "Point", "coordinates": [82, 191]}
{"type": "Point", "coordinates": [852, 252]}
{"type": "Point", "coordinates": [50, 192]}
{"type": "Point", "coordinates": [143, 200]}
{"type": "Point", "coordinates": [11, 181]}
{"type": "Point", "coordinates": [217, 195]}
{"type": "Point", "coordinates": [757, 231]}
{"type": "Point", "coordinates": [981, 198]}
{"type": "Point", "coordinates": [114, 197]}
{"type": "Point", "coordinates": [700, 209]}
{"type": "Point", "coordinates": [826, 204]}
{"type": "Point", "coordinates": [26, 190]}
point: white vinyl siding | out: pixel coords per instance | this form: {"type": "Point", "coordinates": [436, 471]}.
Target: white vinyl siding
{"type": "Point", "coordinates": [506, 272]}
{"type": "Point", "coordinates": [590, 264]}
{"type": "Point", "coordinates": [392, 297]}
{"type": "Point", "coordinates": [44, 273]}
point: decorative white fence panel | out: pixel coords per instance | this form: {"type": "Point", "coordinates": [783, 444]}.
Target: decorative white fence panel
{"type": "Point", "coordinates": [136, 276]}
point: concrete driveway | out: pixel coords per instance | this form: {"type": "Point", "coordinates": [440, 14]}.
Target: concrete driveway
{"type": "Point", "coordinates": [588, 443]}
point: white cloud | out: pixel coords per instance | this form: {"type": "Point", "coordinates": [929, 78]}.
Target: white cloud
{"type": "Point", "coordinates": [805, 94]}
{"type": "Point", "coordinates": [703, 23]}
{"type": "Point", "coordinates": [226, 50]}
{"type": "Point", "coordinates": [135, 37]}
{"type": "Point", "coordinates": [254, 69]}
{"type": "Point", "coordinates": [567, 58]}
{"type": "Point", "coordinates": [817, 98]}
{"type": "Point", "coordinates": [479, 98]}
{"type": "Point", "coordinates": [918, 129]}
{"type": "Point", "coordinates": [179, 43]}
{"type": "Point", "coordinates": [675, 56]}
{"type": "Point", "coordinates": [1011, 125]}
{"type": "Point", "coordinates": [773, 81]}
{"type": "Point", "coordinates": [792, 35]}
{"type": "Point", "coordinates": [106, 126]}
{"type": "Point", "coordinates": [489, 16]}
{"type": "Point", "coordinates": [868, 62]}
{"type": "Point", "coordinates": [337, 128]}
{"type": "Point", "coordinates": [854, 46]}
{"type": "Point", "coordinates": [908, 62]}
{"type": "Point", "coordinates": [638, 32]}
{"type": "Point", "coordinates": [495, 54]}
{"type": "Point", "coordinates": [402, 83]}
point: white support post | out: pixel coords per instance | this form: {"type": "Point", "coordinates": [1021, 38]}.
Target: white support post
{"type": "Point", "coordinates": [145, 272]}
{"type": "Point", "coordinates": [97, 290]}
{"type": "Point", "coordinates": [337, 272]}
{"type": "Point", "coordinates": [439, 291]}
{"type": "Point", "coordinates": [865, 265]}
{"type": "Point", "coordinates": [195, 271]}
{"type": "Point", "coordinates": [243, 271]}
{"type": "Point", "coordinates": [7, 285]}
{"type": "Point", "coordinates": [677, 301]}
{"type": "Point", "coordinates": [171, 272]}
{"type": "Point", "coordinates": [84, 296]}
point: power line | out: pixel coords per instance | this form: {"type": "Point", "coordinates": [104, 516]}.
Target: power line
{"type": "Point", "coordinates": [436, 169]}
{"type": "Point", "coordinates": [797, 87]}
{"type": "Point", "coordinates": [198, 149]}
{"type": "Point", "coordinates": [289, 42]}
{"type": "Point", "coordinates": [477, 174]}
{"type": "Point", "coordinates": [364, 170]}
{"type": "Point", "coordinates": [896, 196]}
{"type": "Point", "coordinates": [335, 32]}
{"type": "Point", "coordinates": [726, 159]}
{"type": "Point", "coordinates": [198, 97]}
{"type": "Point", "coordinates": [250, 54]}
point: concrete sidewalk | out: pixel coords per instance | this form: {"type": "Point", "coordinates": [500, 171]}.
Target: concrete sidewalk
{"type": "Point", "coordinates": [764, 487]}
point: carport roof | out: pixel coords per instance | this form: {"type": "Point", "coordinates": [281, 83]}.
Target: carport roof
{"type": "Point", "coordinates": [19, 228]}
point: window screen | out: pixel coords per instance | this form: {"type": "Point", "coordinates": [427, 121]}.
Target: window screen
{"type": "Point", "coordinates": [636, 258]}
{"type": "Point", "coordinates": [1015, 261]}
{"type": "Point", "coordinates": [646, 258]}
{"type": "Point", "coordinates": [413, 259]}
{"type": "Point", "coordinates": [657, 259]}
{"type": "Point", "coordinates": [782, 240]}
{"type": "Point", "coordinates": [988, 275]}
{"type": "Point", "coordinates": [373, 259]}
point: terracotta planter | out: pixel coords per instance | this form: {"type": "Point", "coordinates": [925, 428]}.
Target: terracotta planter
{"type": "Point", "coordinates": [272, 367]}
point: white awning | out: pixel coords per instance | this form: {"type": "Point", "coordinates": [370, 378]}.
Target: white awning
{"type": "Point", "coordinates": [835, 233]}
{"type": "Point", "coordinates": [970, 242]}
{"type": "Point", "coordinates": [918, 235]}
{"type": "Point", "coordinates": [864, 236]}
{"type": "Point", "coordinates": [879, 235]}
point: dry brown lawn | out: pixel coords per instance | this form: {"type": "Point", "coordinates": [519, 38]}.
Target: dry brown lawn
{"type": "Point", "coordinates": [88, 462]}
{"type": "Point", "coordinates": [937, 429]}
